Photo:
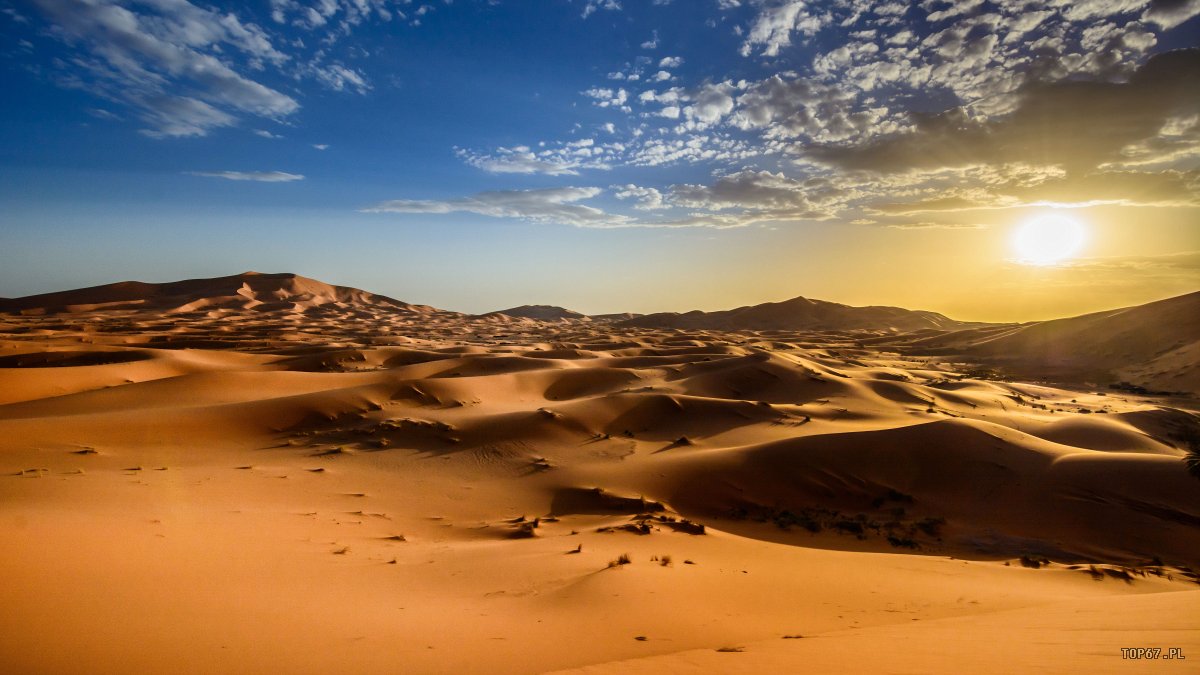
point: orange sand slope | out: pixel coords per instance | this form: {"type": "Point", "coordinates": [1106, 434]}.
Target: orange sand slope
{"type": "Point", "coordinates": [350, 484]}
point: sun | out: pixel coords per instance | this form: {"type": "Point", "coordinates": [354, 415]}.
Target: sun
{"type": "Point", "coordinates": [1048, 240]}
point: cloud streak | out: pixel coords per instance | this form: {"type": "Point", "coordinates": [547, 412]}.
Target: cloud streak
{"type": "Point", "coordinates": [546, 205]}
{"type": "Point", "coordinates": [257, 176]}
{"type": "Point", "coordinates": [146, 55]}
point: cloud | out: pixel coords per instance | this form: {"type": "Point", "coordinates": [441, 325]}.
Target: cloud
{"type": "Point", "coordinates": [590, 6]}
{"type": "Point", "coordinates": [338, 77]}
{"type": "Point", "coordinates": [803, 108]}
{"type": "Point", "coordinates": [1163, 188]}
{"type": "Point", "coordinates": [1020, 185]}
{"type": "Point", "coordinates": [341, 13]}
{"type": "Point", "coordinates": [144, 57]}
{"type": "Point", "coordinates": [569, 158]}
{"type": "Point", "coordinates": [1046, 126]}
{"type": "Point", "coordinates": [560, 159]}
{"type": "Point", "coordinates": [561, 206]}
{"type": "Point", "coordinates": [701, 106]}
{"type": "Point", "coordinates": [558, 205]}
{"type": "Point", "coordinates": [102, 114]}
{"type": "Point", "coordinates": [645, 198]}
{"type": "Point", "coordinates": [179, 116]}
{"type": "Point", "coordinates": [257, 176]}
{"type": "Point", "coordinates": [747, 189]}
{"type": "Point", "coordinates": [772, 29]}
{"type": "Point", "coordinates": [1171, 13]}
{"type": "Point", "coordinates": [606, 97]}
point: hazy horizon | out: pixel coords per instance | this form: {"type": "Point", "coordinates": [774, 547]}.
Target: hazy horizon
{"type": "Point", "coordinates": [478, 311]}
{"type": "Point", "coordinates": [611, 156]}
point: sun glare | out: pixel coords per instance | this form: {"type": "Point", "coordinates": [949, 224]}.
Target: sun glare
{"type": "Point", "coordinates": [1048, 240]}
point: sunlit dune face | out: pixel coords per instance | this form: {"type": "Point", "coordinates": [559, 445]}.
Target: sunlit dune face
{"type": "Point", "coordinates": [1048, 240]}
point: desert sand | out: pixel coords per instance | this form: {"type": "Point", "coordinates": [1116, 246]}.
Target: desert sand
{"type": "Point", "coordinates": [265, 473]}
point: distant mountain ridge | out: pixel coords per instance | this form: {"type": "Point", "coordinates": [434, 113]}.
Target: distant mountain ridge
{"type": "Point", "coordinates": [802, 314]}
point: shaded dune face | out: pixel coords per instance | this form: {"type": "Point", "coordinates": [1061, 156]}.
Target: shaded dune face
{"type": "Point", "coordinates": [995, 487]}
{"type": "Point", "coordinates": [69, 359]}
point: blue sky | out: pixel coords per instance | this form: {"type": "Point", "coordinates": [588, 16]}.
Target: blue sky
{"type": "Point", "coordinates": [631, 155]}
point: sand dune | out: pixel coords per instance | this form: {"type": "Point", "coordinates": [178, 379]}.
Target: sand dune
{"type": "Point", "coordinates": [537, 312]}
{"type": "Point", "coordinates": [249, 290]}
{"type": "Point", "coordinates": [349, 483]}
{"type": "Point", "coordinates": [1153, 346]}
{"type": "Point", "coordinates": [801, 314]}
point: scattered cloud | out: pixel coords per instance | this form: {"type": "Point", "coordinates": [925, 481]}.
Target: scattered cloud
{"type": "Point", "coordinates": [337, 77]}
{"type": "Point", "coordinates": [338, 17]}
{"type": "Point", "coordinates": [902, 114]}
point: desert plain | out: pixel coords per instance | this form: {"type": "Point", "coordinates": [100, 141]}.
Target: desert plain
{"type": "Point", "coordinates": [265, 473]}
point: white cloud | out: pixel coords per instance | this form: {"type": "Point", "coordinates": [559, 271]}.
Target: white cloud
{"type": "Point", "coordinates": [338, 17]}
{"type": "Point", "coordinates": [712, 101]}
{"type": "Point", "coordinates": [144, 57]}
{"type": "Point", "coordinates": [590, 6]}
{"type": "Point", "coordinates": [559, 159]}
{"type": "Point", "coordinates": [179, 116]}
{"type": "Point", "coordinates": [776, 21]}
{"type": "Point", "coordinates": [646, 198]}
{"type": "Point", "coordinates": [338, 77]}
{"type": "Point", "coordinates": [606, 98]}
{"type": "Point", "coordinates": [258, 176]}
